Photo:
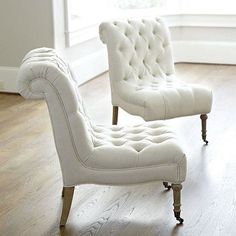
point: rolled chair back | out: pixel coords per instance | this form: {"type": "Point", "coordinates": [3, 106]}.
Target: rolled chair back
{"type": "Point", "coordinates": [137, 49]}
{"type": "Point", "coordinates": [46, 75]}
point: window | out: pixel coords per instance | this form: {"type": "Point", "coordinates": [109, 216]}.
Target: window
{"type": "Point", "coordinates": [84, 16]}
{"type": "Point", "coordinates": [83, 13]}
{"type": "Point", "coordinates": [208, 7]}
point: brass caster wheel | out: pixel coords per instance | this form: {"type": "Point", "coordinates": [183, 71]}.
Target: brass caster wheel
{"type": "Point", "coordinates": [166, 185]}
{"type": "Point", "coordinates": [181, 220]}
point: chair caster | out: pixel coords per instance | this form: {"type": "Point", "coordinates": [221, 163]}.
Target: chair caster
{"type": "Point", "coordinates": [204, 131]}
{"type": "Point", "coordinates": [167, 186]}
{"type": "Point", "coordinates": [181, 220]}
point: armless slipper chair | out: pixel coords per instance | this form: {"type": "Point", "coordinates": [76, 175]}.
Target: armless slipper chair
{"type": "Point", "coordinates": [98, 154]}
{"type": "Point", "coordinates": [141, 69]}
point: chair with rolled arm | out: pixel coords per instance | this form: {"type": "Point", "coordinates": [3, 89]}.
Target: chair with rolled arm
{"type": "Point", "coordinates": [98, 154]}
{"type": "Point", "coordinates": [142, 72]}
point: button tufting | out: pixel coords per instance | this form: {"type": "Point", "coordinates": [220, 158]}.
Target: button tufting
{"type": "Point", "coordinates": [164, 45]}
{"type": "Point", "coordinates": [120, 49]}
{"type": "Point", "coordinates": [137, 137]}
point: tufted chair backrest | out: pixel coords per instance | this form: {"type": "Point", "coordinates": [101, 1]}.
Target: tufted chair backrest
{"type": "Point", "coordinates": [45, 75]}
{"type": "Point", "coordinates": [137, 49]}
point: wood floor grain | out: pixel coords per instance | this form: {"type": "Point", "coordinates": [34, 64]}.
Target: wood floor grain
{"type": "Point", "coordinates": [30, 178]}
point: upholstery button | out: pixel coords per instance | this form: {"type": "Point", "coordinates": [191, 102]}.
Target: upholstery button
{"type": "Point", "coordinates": [121, 48]}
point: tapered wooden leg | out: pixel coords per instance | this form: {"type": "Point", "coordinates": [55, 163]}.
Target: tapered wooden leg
{"type": "Point", "coordinates": [166, 185]}
{"type": "Point", "coordinates": [204, 131]}
{"type": "Point", "coordinates": [177, 201]}
{"type": "Point", "coordinates": [115, 115]}
{"type": "Point", "coordinates": [68, 196]}
{"type": "Point", "coordinates": [63, 191]}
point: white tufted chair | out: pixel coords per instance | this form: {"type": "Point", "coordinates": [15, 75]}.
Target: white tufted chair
{"type": "Point", "coordinates": [141, 71]}
{"type": "Point", "coordinates": [97, 154]}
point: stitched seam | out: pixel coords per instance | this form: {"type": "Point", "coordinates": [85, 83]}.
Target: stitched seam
{"type": "Point", "coordinates": [163, 98]}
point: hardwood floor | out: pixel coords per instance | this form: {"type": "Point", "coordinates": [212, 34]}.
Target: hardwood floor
{"type": "Point", "coordinates": [30, 178]}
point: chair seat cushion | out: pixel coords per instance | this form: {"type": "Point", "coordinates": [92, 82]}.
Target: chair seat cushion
{"type": "Point", "coordinates": [160, 99]}
{"type": "Point", "coordinates": [151, 144]}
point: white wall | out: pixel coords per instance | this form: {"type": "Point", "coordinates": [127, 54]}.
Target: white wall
{"type": "Point", "coordinates": [31, 23]}
{"type": "Point", "coordinates": [24, 25]}
{"type": "Point", "coordinates": [204, 38]}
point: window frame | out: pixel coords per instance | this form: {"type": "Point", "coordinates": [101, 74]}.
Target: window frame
{"type": "Point", "coordinates": [175, 17]}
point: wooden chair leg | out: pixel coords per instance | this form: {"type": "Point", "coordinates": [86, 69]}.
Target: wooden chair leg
{"type": "Point", "coordinates": [166, 185]}
{"type": "Point", "coordinates": [177, 201]}
{"type": "Point", "coordinates": [68, 196]}
{"type": "Point", "coordinates": [115, 115]}
{"type": "Point", "coordinates": [63, 192]}
{"type": "Point", "coordinates": [204, 131]}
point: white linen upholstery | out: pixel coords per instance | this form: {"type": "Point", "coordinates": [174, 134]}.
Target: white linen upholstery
{"type": "Point", "coordinates": [92, 153]}
{"type": "Point", "coordinates": [141, 72]}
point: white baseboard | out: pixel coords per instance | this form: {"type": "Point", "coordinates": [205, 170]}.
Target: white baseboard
{"type": "Point", "coordinates": [205, 52]}
{"type": "Point", "coordinates": [85, 69]}
{"type": "Point", "coordinates": [8, 79]}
